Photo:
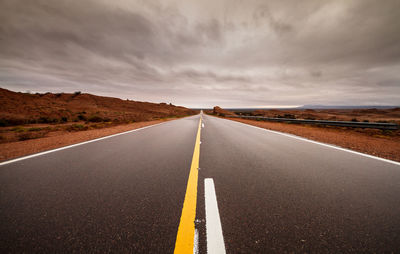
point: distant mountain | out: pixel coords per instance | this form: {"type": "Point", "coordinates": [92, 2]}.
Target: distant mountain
{"type": "Point", "coordinates": [305, 107]}
{"type": "Point", "coordinates": [253, 109]}
{"type": "Point", "coordinates": [346, 107]}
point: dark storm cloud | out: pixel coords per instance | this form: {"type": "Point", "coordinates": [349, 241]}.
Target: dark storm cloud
{"type": "Point", "coordinates": [263, 13]}
{"type": "Point", "coordinates": [200, 53]}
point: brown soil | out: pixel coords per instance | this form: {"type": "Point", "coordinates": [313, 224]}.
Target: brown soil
{"type": "Point", "coordinates": [24, 108]}
{"type": "Point", "coordinates": [385, 144]}
{"type": "Point", "coordinates": [370, 115]}
{"type": "Point", "coordinates": [62, 137]}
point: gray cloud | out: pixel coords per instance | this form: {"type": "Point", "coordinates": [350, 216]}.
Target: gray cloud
{"type": "Point", "coordinates": [262, 13]}
{"type": "Point", "coordinates": [200, 53]}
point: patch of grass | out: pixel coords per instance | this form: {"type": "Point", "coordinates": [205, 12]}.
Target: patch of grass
{"type": "Point", "coordinates": [95, 119]}
{"type": "Point", "coordinates": [30, 135]}
{"type": "Point", "coordinates": [45, 119]}
{"type": "Point", "coordinates": [48, 128]}
{"type": "Point", "coordinates": [35, 129]}
{"type": "Point", "coordinates": [18, 129]}
{"type": "Point", "coordinates": [77, 127]}
{"type": "Point", "coordinates": [24, 136]}
{"type": "Point", "coordinates": [289, 116]}
{"type": "Point", "coordinates": [97, 126]}
{"type": "Point", "coordinates": [387, 132]}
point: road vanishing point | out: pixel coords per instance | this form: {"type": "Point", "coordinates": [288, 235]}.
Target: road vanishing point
{"type": "Point", "coordinates": [200, 184]}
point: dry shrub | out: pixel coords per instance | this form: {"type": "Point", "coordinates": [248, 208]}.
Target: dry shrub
{"type": "Point", "coordinates": [30, 135]}
{"type": "Point", "coordinates": [77, 127]}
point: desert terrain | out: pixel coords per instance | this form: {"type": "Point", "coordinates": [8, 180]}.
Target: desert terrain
{"type": "Point", "coordinates": [381, 143]}
{"type": "Point", "coordinates": [26, 108]}
{"type": "Point", "coordinates": [355, 115]}
{"type": "Point", "coordinates": [31, 123]}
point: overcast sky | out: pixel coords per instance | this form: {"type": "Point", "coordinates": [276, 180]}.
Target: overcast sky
{"type": "Point", "coordinates": [202, 53]}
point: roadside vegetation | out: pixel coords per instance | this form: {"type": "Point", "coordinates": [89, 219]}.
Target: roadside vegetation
{"type": "Point", "coordinates": [25, 116]}
{"type": "Point", "coordinates": [382, 143]}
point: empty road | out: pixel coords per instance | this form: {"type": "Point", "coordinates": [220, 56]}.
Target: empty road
{"type": "Point", "coordinates": [265, 193]}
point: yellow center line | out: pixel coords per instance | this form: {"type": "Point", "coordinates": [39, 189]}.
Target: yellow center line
{"type": "Point", "coordinates": [185, 236]}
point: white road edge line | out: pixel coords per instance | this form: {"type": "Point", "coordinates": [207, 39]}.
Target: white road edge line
{"type": "Point", "coordinates": [70, 146]}
{"type": "Point", "coordinates": [319, 143]}
{"type": "Point", "coordinates": [215, 239]}
{"type": "Point", "coordinates": [196, 242]}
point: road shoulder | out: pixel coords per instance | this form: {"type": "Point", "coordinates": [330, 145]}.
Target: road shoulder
{"type": "Point", "coordinates": [60, 139]}
{"type": "Point", "coordinates": [384, 147]}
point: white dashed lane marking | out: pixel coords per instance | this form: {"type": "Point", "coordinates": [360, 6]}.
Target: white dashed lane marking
{"type": "Point", "coordinates": [215, 239]}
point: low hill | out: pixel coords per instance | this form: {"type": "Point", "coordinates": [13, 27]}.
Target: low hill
{"type": "Point", "coordinates": [222, 112]}
{"type": "Point", "coordinates": [22, 108]}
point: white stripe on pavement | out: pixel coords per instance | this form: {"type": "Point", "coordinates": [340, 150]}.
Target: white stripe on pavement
{"type": "Point", "coordinates": [316, 142]}
{"type": "Point", "coordinates": [215, 239]}
{"type": "Point", "coordinates": [196, 242]}
{"type": "Point", "coordinates": [78, 144]}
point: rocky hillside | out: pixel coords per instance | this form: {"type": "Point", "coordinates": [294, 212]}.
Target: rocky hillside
{"type": "Point", "coordinates": [23, 108]}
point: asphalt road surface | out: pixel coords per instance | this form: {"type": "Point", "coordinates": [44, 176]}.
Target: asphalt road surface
{"type": "Point", "coordinates": [275, 194]}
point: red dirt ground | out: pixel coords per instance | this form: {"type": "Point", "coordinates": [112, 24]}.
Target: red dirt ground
{"type": "Point", "coordinates": [63, 138]}
{"type": "Point", "coordinates": [374, 142]}
{"type": "Point", "coordinates": [371, 114]}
